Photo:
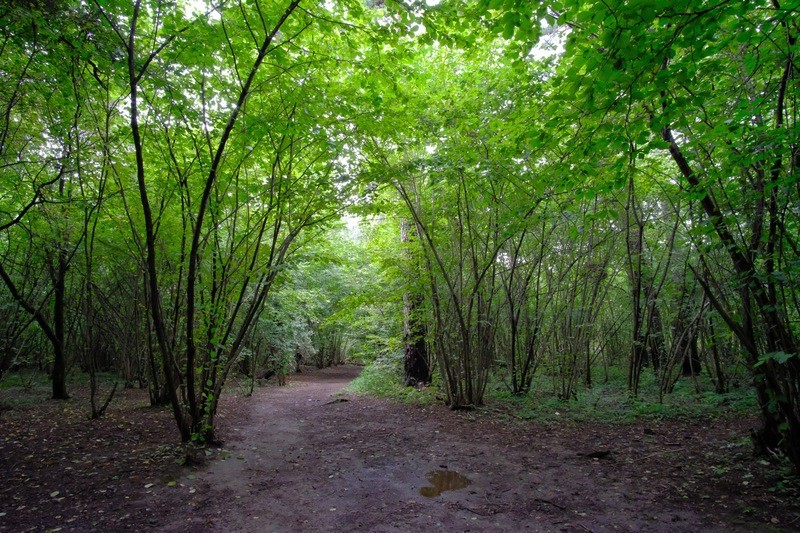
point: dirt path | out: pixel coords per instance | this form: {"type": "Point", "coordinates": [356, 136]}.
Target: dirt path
{"type": "Point", "coordinates": [298, 460]}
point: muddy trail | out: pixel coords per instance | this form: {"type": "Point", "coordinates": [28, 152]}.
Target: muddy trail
{"type": "Point", "coordinates": [308, 457]}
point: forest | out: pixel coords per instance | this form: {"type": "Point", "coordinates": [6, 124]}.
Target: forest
{"type": "Point", "coordinates": [549, 204]}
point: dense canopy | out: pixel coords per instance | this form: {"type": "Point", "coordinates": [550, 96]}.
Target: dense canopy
{"type": "Point", "coordinates": [499, 194]}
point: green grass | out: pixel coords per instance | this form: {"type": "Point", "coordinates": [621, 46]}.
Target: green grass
{"type": "Point", "coordinates": [28, 387]}
{"type": "Point", "coordinates": [607, 401]}
{"type": "Point", "coordinates": [384, 378]}
{"type": "Point", "coordinates": [23, 379]}
{"type": "Point", "coordinates": [22, 388]}
{"type": "Point", "coordinates": [610, 401]}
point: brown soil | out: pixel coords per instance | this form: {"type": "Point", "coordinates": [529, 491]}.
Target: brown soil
{"type": "Point", "coordinates": [300, 458]}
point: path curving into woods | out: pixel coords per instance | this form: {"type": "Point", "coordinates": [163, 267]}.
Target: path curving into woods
{"type": "Point", "coordinates": [298, 458]}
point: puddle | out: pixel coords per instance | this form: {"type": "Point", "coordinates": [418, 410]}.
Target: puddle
{"type": "Point", "coordinates": [443, 480]}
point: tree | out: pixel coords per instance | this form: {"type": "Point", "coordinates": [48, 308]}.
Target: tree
{"type": "Point", "coordinates": [416, 362]}
{"type": "Point", "coordinates": [700, 84]}
{"type": "Point", "coordinates": [42, 138]}
{"type": "Point", "coordinates": [232, 157]}
{"type": "Point", "coordinates": [457, 157]}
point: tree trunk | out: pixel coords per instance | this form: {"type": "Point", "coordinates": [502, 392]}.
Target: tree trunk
{"type": "Point", "coordinates": [777, 383]}
{"type": "Point", "coordinates": [691, 356]}
{"type": "Point", "coordinates": [415, 352]}
{"type": "Point", "coordinates": [59, 373]}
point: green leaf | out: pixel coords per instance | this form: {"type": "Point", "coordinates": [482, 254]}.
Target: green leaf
{"type": "Point", "coordinates": [779, 357]}
{"type": "Point", "coordinates": [509, 23]}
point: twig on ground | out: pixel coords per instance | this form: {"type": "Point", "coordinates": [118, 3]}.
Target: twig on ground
{"type": "Point", "coordinates": [542, 500]}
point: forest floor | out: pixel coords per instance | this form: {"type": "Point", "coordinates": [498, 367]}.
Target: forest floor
{"type": "Point", "coordinates": [311, 457]}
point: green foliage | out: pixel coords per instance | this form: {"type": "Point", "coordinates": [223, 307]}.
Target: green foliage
{"type": "Point", "coordinates": [170, 199]}
{"type": "Point", "coordinates": [24, 386]}
{"type": "Point", "coordinates": [335, 302]}
{"type": "Point", "coordinates": [384, 378]}
{"type": "Point", "coordinates": [779, 357]}
{"type": "Point", "coordinates": [609, 402]}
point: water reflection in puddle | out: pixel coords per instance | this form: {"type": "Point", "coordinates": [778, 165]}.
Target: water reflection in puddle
{"type": "Point", "coordinates": [443, 480]}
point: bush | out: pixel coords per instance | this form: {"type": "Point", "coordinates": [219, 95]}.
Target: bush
{"type": "Point", "coordinates": [384, 378]}
{"type": "Point", "coordinates": [610, 401]}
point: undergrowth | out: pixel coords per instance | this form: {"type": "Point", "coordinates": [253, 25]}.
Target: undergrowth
{"type": "Point", "coordinates": [606, 401]}
{"type": "Point", "coordinates": [610, 401]}
{"type": "Point", "coordinates": [384, 378]}
{"type": "Point", "coordinates": [29, 387]}
{"type": "Point", "coordinates": [23, 387]}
